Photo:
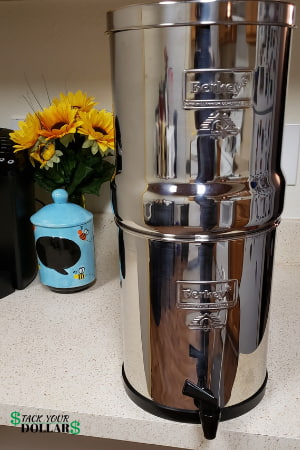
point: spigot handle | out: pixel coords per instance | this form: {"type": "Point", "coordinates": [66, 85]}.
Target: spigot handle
{"type": "Point", "coordinates": [199, 394]}
{"type": "Point", "coordinates": [207, 404]}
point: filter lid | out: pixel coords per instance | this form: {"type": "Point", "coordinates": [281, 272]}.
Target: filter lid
{"type": "Point", "coordinates": [201, 12]}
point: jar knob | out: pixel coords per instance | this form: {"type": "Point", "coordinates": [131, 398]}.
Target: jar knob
{"type": "Point", "coordinates": [60, 196]}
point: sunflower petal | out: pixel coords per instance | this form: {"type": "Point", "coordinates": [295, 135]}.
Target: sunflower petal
{"type": "Point", "coordinates": [98, 126]}
{"type": "Point", "coordinates": [67, 139]}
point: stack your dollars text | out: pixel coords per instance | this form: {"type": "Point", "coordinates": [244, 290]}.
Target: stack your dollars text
{"type": "Point", "coordinates": [45, 423]}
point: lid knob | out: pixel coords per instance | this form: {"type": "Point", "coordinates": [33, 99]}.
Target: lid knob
{"type": "Point", "coordinates": [60, 196]}
{"type": "Point", "coordinates": [61, 213]}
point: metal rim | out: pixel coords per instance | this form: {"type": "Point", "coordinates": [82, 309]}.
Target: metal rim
{"type": "Point", "coordinates": [201, 12]}
{"type": "Point", "coordinates": [199, 237]}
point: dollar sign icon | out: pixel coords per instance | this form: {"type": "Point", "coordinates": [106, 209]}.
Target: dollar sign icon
{"type": "Point", "coordinates": [15, 415]}
{"type": "Point", "coordinates": [75, 427]}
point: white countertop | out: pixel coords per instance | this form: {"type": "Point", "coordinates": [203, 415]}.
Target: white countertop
{"type": "Point", "coordinates": [62, 354]}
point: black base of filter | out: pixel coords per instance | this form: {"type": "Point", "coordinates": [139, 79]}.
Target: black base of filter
{"type": "Point", "coordinates": [191, 416]}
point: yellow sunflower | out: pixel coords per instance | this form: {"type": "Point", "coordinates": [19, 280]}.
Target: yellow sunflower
{"type": "Point", "coordinates": [78, 100]}
{"type": "Point", "coordinates": [45, 154]}
{"type": "Point", "coordinates": [51, 155]}
{"type": "Point", "coordinates": [36, 156]}
{"type": "Point", "coordinates": [57, 121]}
{"type": "Point", "coordinates": [28, 133]}
{"type": "Point", "coordinates": [98, 126]}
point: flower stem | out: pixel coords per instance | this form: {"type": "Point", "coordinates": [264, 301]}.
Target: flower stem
{"type": "Point", "coordinates": [78, 198]}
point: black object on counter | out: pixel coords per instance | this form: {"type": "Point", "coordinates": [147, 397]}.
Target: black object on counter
{"type": "Point", "coordinates": [18, 264]}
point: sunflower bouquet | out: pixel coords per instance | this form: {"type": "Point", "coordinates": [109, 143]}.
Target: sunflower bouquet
{"type": "Point", "coordinates": [69, 144]}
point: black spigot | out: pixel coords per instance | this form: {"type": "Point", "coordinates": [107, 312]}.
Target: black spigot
{"type": "Point", "coordinates": [207, 404]}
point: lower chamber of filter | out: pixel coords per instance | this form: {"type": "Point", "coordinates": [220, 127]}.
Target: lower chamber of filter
{"type": "Point", "coordinates": [191, 416]}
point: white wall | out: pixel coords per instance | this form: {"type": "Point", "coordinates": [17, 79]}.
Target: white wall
{"type": "Point", "coordinates": [292, 115]}
{"type": "Point", "coordinates": [61, 41]}
{"type": "Point", "coordinates": [64, 42]}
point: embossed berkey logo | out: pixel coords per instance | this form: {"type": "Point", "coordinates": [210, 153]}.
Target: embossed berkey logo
{"type": "Point", "coordinates": [208, 302]}
{"type": "Point", "coordinates": [217, 88]}
{"type": "Point", "coordinates": [207, 295]}
{"type": "Point", "coordinates": [218, 125]}
{"type": "Point", "coordinates": [206, 321]}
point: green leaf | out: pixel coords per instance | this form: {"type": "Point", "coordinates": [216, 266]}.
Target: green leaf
{"type": "Point", "coordinates": [49, 179]}
{"type": "Point", "coordinates": [107, 170]}
{"type": "Point", "coordinates": [79, 175]}
{"type": "Point", "coordinates": [94, 184]}
{"type": "Point", "coordinates": [93, 187]}
{"type": "Point", "coordinates": [87, 143]}
{"type": "Point", "coordinates": [67, 139]}
{"type": "Point", "coordinates": [69, 166]}
{"type": "Point", "coordinates": [95, 148]}
{"type": "Point", "coordinates": [91, 160]}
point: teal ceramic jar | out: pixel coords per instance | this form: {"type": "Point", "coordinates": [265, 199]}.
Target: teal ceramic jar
{"type": "Point", "coordinates": [64, 241]}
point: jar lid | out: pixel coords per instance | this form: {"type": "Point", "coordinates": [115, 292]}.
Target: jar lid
{"type": "Point", "coordinates": [61, 214]}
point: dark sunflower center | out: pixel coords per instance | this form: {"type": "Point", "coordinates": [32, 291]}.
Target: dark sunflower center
{"type": "Point", "coordinates": [58, 125]}
{"type": "Point", "coordinates": [100, 130]}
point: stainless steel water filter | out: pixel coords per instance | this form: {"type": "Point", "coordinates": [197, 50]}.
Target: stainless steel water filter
{"type": "Point", "coordinates": [199, 95]}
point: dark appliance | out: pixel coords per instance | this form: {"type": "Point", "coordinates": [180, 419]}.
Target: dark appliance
{"type": "Point", "coordinates": [18, 263]}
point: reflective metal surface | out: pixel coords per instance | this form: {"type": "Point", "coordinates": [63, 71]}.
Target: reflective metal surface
{"type": "Point", "coordinates": [199, 92]}
{"type": "Point", "coordinates": [179, 328]}
{"type": "Point", "coordinates": [206, 12]}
